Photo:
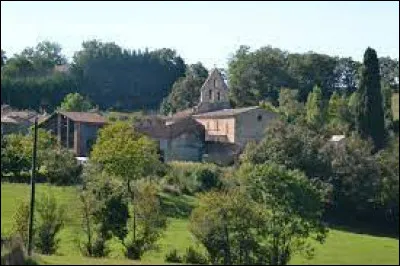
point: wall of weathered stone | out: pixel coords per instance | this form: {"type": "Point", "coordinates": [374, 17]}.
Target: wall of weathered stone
{"type": "Point", "coordinates": [251, 125]}
{"type": "Point", "coordinates": [219, 129]}
{"type": "Point", "coordinates": [186, 147]}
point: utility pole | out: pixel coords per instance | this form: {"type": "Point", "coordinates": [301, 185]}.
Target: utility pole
{"type": "Point", "coordinates": [33, 174]}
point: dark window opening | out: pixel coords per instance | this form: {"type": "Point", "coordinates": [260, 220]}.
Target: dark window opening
{"type": "Point", "coordinates": [259, 117]}
{"type": "Point", "coordinates": [218, 96]}
{"type": "Point", "coordinates": [210, 94]}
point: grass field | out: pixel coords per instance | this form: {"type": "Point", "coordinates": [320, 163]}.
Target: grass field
{"type": "Point", "coordinates": [395, 106]}
{"type": "Point", "coordinates": [340, 247]}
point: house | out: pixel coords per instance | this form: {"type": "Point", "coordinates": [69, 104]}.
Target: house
{"type": "Point", "coordinates": [18, 121]}
{"type": "Point", "coordinates": [227, 130]}
{"type": "Point", "coordinates": [181, 141]}
{"type": "Point", "coordinates": [75, 130]}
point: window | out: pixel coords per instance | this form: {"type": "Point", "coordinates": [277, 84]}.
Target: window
{"type": "Point", "coordinates": [259, 117]}
{"type": "Point", "coordinates": [210, 94]}
{"type": "Point", "coordinates": [216, 124]}
{"type": "Point", "coordinates": [215, 83]}
{"type": "Point", "coordinates": [218, 96]}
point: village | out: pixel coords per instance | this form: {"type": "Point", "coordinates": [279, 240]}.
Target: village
{"type": "Point", "coordinates": [199, 133]}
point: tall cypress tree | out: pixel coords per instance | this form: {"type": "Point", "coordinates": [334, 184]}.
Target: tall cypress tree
{"type": "Point", "coordinates": [370, 117]}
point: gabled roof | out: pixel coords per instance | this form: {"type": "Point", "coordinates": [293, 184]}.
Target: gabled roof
{"type": "Point", "coordinates": [85, 117]}
{"type": "Point", "coordinates": [217, 75]}
{"type": "Point", "coordinates": [225, 112]}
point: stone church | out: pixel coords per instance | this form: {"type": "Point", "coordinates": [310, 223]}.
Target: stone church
{"type": "Point", "coordinates": [212, 130]}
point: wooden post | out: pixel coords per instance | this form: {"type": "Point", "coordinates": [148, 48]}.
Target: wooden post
{"type": "Point", "coordinates": [59, 128]}
{"type": "Point", "coordinates": [67, 144]}
{"type": "Point", "coordinates": [32, 207]}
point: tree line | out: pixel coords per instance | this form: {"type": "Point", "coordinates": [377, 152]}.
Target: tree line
{"type": "Point", "coordinates": [121, 79]}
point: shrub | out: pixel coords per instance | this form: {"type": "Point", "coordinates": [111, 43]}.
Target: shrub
{"type": "Point", "coordinates": [21, 221]}
{"type": "Point", "coordinates": [172, 256]}
{"type": "Point", "coordinates": [50, 220]}
{"type": "Point", "coordinates": [61, 167]}
{"type": "Point", "coordinates": [194, 257]}
{"type": "Point", "coordinates": [192, 177]}
{"type": "Point", "coordinates": [114, 248]}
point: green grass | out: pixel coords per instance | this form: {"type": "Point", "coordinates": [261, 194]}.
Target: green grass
{"type": "Point", "coordinates": [340, 248]}
{"type": "Point", "coordinates": [395, 105]}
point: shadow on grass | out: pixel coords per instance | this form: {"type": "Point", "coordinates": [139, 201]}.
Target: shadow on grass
{"type": "Point", "coordinates": [364, 227]}
{"type": "Point", "coordinates": [177, 206]}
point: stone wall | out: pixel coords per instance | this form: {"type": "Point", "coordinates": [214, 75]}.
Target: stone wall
{"type": "Point", "coordinates": [251, 125]}
{"type": "Point", "coordinates": [219, 129]}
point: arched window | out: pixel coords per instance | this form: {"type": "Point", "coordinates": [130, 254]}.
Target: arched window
{"type": "Point", "coordinates": [215, 83]}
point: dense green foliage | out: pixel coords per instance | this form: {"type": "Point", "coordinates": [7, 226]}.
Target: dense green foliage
{"type": "Point", "coordinates": [74, 102]}
{"type": "Point", "coordinates": [56, 165]}
{"type": "Point", "coordinates": [370, 120]}
{"type": "Point", "coordinates": [185, 92]}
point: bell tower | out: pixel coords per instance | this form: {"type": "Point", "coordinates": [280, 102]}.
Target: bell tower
{"type": "Point", "coordinates": [214, 93]}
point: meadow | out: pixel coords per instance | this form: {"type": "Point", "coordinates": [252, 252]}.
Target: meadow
{"type": "Point", "coordinates": [341, 247]}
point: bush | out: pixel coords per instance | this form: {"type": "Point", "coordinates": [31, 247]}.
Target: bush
{"type": "Point", "coordinates": [50, 220]}
{"type": "Point", "coordinates": [172, 256]}
{"type": "Point", "coordinates": [21, 221]}
{"type": "Point", "coordinates": [114, 248]}
{"type": "Point", "coordinates": [61, 167]}
{"type": "Point", "coordinates": [194, 257]}
{"type": "Point", "coordinates": [192, 177]}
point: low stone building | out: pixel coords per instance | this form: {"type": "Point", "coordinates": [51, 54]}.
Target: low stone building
{"type": "Point", "coordinates": [180, 141]}
{"type": "Point", "coordinates": [76, 131]}
{"type": "Point", "coordinates": [18, 121]}
{"type": "Point", "coordinates": [227, 130]}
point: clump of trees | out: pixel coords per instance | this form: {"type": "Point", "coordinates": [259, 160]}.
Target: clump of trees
{"type": "Point", "coordinates": [56, 165]}
{"type": "Point", "coordinates": [126, 207]}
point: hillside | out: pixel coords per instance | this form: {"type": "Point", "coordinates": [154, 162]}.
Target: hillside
{"type": "Point", "coordinates": [340, 248]}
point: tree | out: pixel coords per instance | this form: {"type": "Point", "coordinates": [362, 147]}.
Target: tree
{"type": "Point", "coordinates": [185, 92]}
{"type": "Point", "coordinates": [354, 177]}
{"type": "Point", "coordinates": [256, 76]}
{"type": "Point", "coordinates": [310, 69]}
{"type": "Point", "coordinates": [387, 106]}
{"type": "Point", "coordinates": [370, 120]}
{"type": "Point", "coordinates": [104, 210]}
{"type": "Point", "coordinates": [288, 104]}
{"type": "Point", "coordinates": [338, 115]}
{"type": "Point", "coordinates": [389, 69]}
{"type": "Point", "coordinates": [389, 193]}
{"type": "Point", "coordinates": [293, 207]}
{"type": "Point", "coordinates": [3, 57]}
{"type": "Point", "coordinates": [230, 226]}
{"type": "Point", "coordinates": [125, 154]}
{"type": "Point", "coordinates": [125, 80]}
{"type": "Point", "coordinates": [50, 220]}
{"type": "Point", "coordinates": [292, 145]}
{"type": "Point", "coordinates": [315, 108]}
{"type": "Point", "coordinates": [74, 102]}
{"type": "Point", "coordinates": [21, 220]}
{"type": "Point", "coordinates": [150, 220]}
{"type": "Point", "coordinates": [61, 167]}
{"type": "Point", "coordinates": [347, 75]}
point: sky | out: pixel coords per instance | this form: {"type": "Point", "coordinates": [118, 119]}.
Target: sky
{"type": "Point", "coordinates": [209, 32]}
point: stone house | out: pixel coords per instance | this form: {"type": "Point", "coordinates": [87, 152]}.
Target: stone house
{"type": "Point", "coordinates": [181, 141]}
{"type": "Point", "coordinates": [227, 130]}
{"type": "Point", "coordinates": [76, 131]}
{"type": "Point", "coordinates": [18, 121]}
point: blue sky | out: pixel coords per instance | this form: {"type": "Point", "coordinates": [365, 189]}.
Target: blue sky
{"type": "Point", "coordinates": [206, 31]}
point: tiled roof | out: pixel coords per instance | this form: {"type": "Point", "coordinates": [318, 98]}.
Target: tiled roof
{"type": "Point", "coordinates": [85, 117]}
{"type": "Point", "coordinates": [157, 128]}
{"type": "Point", "coordinates": [226, 112]}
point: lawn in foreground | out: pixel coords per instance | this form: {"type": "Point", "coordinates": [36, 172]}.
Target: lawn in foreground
{"type": "Point", "coordinates": [340, 248]}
